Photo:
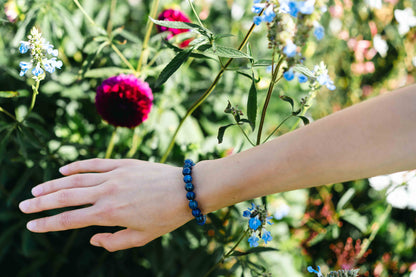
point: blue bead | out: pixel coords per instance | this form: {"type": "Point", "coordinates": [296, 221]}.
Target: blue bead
{"type": "Point", "coordinates": [190, 195]}
{"type": "Point", "coordinates": [200, 219]}
{"type": "Point", "coordinates": [189, 187]}
{"type": "Point", "coordinates": [187, 178]}
{"type": "Point", "coordinates": [193, 204]}
{"type": "Point", "coordinates": [186, 171]}
{"type": "Point", "coordinates": [196, 212]}
{"type": "Point", "coordinates": [187, 166]}
{"type": "Point", "coordinates": [189, 161]}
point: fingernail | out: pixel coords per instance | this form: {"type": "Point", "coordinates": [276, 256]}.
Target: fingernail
{"type": "Point", "coordinates": [64, 170]}
{"type": "Point", "coordinates": [24, 206]}
{"type": "Point", "coordinates": [31, 225]}
{"type": "Point", "coordinates": [37, 191]}
{"type": "Point", "coordinates": [95, 243]}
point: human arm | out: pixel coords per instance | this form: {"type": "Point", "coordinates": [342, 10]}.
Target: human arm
{"type": "Point", "coordinates": [371, 138]}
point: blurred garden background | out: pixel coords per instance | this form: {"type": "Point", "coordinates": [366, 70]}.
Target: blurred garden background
{"type": "Point", "coordinates": [369, 48]}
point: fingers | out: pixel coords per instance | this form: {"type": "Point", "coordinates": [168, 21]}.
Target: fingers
{"type": "Point", "coordinates": [120, 240]}
{"type": "Point", "coordinates": [60, 199]}
{"type": "Point", "coordinates": [92, 165]}
{"type": "Point", "coordinates": [67, 220]}
{"type": "Point", "coordinates": [73, 181]}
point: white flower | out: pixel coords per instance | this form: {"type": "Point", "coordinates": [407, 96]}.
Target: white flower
{"type": "Point", "coordinates": [413, 273]}
{"type": "Point", "coordinates": [406, 20]}
{"type": "Point", "coordinates": [380, 45]}
{"type": "Point", "coordinates": [374, 4]}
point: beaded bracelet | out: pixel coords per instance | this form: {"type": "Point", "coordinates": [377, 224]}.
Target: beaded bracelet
{"type": "Point", "coordinates": [190, 195]}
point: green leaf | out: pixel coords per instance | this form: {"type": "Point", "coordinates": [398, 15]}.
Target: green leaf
{"type": "Point", "coordinates": [355, 219]}
{"type": "Point", "coordinates": [254, 250]}
{"type": "Point", "coordinates": [86, 65]}
{"type": "Point", "coordinates": [346, 197]}
{"type": "Point", "coordinates": [182, 25]}
{"type": "Point", "coordinates": [9, 94]}
{"type": "Point", "coordinates": [304, 119]}
{"type": "Point", "coordinates": [252, 105]}
{"type": "Point", "coordinates": [288, 99]}
{"type": "Point", "coordinates": [172, 66]}
{"type": "Point", "coordinates": [304, 70]}
{"type": "Point", "coordinates": [227, 52]}
{"type": "Point", "coordinates": [221, 132]}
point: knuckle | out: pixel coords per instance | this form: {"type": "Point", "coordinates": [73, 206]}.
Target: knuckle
{"type": "Point", "coordinates": [62, 197]}
{"type": "Point", "coordinates": [77, 180]}
{"type": "Point", "coordinates": [65, 220]}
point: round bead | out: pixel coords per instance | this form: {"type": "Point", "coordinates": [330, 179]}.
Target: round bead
{"type": "Point", "coordinates": [200, 219]}
{"type": "Point", "coordinates": [190, 195]}
{"type": "Point", "coordinates": [187, 166]}
{"type": "Point", "coordinates": [193, 204]}
{"type": "Point", "coordinates": [189, 161]}
{"type": "Point", "coordinates": [196, 212]}
{"type": "Point", "coordinates": [189, 187]}
{"type": "Point", "coordinates": [187, 178]}
{"type": "Point", "coordinates": [186, 171]}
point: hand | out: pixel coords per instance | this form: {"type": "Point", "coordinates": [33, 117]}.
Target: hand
{"type": "Point", "coordinates": [146, 198]}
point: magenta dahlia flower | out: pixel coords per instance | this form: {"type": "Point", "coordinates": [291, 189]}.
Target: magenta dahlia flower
{"type": "Point", "coordinates": [124, 100]}
{"type": "Point", "coordinates": [174, 15]}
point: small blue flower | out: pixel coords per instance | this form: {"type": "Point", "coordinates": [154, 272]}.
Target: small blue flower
{"type": "Point", "coordinates": [254, 223]}
{"type": "Point", "coordinates": [302, 78]}
{"type": "Point", "coordinates": [37, 71]}
{"type": "Point", "coordinates": [293, 8]}
{"type": "Point", "coordinates": [51, 64]}
{"type": "Point", "coordinates": [269, 14]}
{"type": "Point", "coordinates": [246, 213]}
{"type": "Point", "coordinates": [253, 206]}
{"type": "Point", "coordinates": [24, 67]}
{"type": "Point", "coordinates": [266, 236]}
{"type": "Point", "coordinates": [253, 241]}
{"type": "Point", "coordinates": [289, 75]}
{"type": "Point", "coordinates": [290, 49]}
{"type": "Point", "coordinates": [317, 272]}
{"type": "Point", "coordinates": [256, 8]}
{"type": "Point", "coordinates": [256, 1]}
{"type": "Point", "coordinates": [268, 220]}
{"type": "Point", "coordinates": [257, 20]}
{"type": "Point", "coordinates": [24, 47]}
{"type": "Point", "coordinates": [319, 32]}
{"type": "Point", "coordinates": [325, 80]}
{"type": "Point", "coordinates": [306, 7]}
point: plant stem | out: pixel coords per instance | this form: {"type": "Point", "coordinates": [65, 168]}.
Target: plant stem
{"type": "Point", "coordinates": [84, 12]}
{"type": "Point", "coordinates": [267, 100]}
{"type": "Point", "coordinates": [227, 254]}
{"type": "Point", "coordinates": [145, 50]}
{"type": "Point", "coordinates": [205, 95]}
{"type": "Point", "coordinates": [110, 146]}
{"type": "Point", "coordinates": [135, 144]}
{"type": "Point", "coordinates": [277, 128]}
{"type": "Point", "coordinates": [312, 95]}
{"type": "Point", "coordinates": [8, 114]}
{"type": "Point", "coordinates": [110, 20]}
{"type": "Point", "coordinates": [245, 134]}
{"type": "Point", "coordinates": [195, 13]}
{"type": "Point", "coordinates": [122, 57]}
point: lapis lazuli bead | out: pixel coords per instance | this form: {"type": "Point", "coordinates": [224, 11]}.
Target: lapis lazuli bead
{"type": "Point", "coordinates": [193, 204]}
{"type": "Point", "coordinates": [187, 178]}
{"type": "Point", "coordinates": [190, 195]}
{"type": "Point", "coordinates": [187, 166]}
{"type": "Point", "coordinates": [200, 219]}
{"type": "Point", "coordinates": [189, 187]}
{"type": "Point", "coordinates": [196, 212]}
{"type": "Point", "coordinates": [188, 161]}
{"type": "Point", "coordinates": [186, 171]}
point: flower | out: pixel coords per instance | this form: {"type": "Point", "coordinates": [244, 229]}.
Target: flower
{"type": "Point", "coordinates": [290, 49]}
{"type": "Point", "coordinates": [124, 100]}
{"type": "Point", "coordinates": [257, 222]}
{"type": "Point", "coordinates": [268, 14]}
{"type": "Point", "coordinates": [281, 211]}
{"type": "Point", "coordinates": [302, 78]}
{"type": "Point", "coordinates": [319, 32]}
{"type": "Point", "coordinates": [11, 10]}
{"type": "Point", "coordinates": [174, 15]}
{"type": "Point", "coordinates": [289, 75]}
{"type": "Point", "coordinates": [253, 241]}
{"type": "Point", "coordinates": [317, 272]}
{"type": "Point", "coordinates": [295, 7]}
{"type": "Point", "coordinates": [322, 77]}
{"type": "Point", "coordinates": [406, 20]}
{"type": "Point", "coordinates": [380, 45]}
{"type": "Point", "coordinates": [39, 49]}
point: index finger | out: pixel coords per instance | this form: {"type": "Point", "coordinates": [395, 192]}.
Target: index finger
{"type": "Point", "coordinates": [92, 165]}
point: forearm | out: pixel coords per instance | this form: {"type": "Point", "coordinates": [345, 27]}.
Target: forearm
{"type": "Point", "coordinates": [374, 137]}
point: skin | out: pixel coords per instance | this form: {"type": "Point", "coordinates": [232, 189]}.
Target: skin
{"type": "Point", "coordinates": [371, 138]}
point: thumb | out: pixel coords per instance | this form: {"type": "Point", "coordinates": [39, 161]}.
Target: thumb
{"type": "Point", "coordinates": [120, 240]}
